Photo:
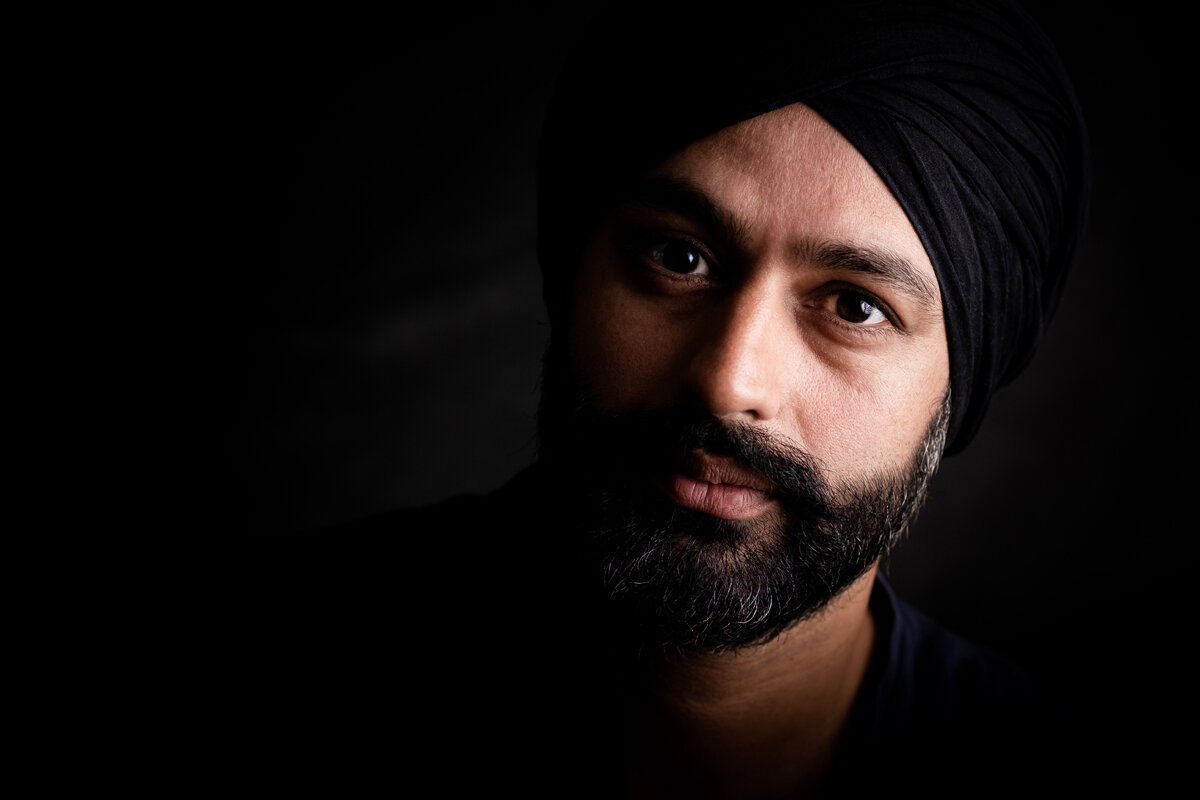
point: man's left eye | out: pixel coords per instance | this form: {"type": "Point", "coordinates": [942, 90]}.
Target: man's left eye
{"type": "Point", "coordinates": [859, 309]}
{"type": "Point", "coordinates": [680, 257]}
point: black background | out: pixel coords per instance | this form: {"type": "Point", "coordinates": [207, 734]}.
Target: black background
{"type": "Point", "coordinates": [394, 348]}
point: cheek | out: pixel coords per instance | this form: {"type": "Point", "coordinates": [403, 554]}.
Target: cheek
{"type": "Point", "coordinates": [875, 415]}
{"type": "Point", "coordinates": [619, 350]}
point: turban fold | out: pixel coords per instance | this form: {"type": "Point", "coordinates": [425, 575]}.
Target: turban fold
{"type": "Point", "coordinates": [963, 108]}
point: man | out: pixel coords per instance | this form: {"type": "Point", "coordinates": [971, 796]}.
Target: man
{"type": "Point", "coordinates": [787, 260]}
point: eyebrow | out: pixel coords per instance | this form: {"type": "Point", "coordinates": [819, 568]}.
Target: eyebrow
{"type": "Point", "coordinates": [892, 268]}
{"type": "Point", "coordinates": [680, 196]}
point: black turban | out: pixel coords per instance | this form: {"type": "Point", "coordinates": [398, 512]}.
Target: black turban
{"type": "Point", "coordinates": [963, 108]}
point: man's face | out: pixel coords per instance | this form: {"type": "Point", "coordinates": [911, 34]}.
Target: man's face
{"type": "Point", "coordinates": [766, 280]}
{"type": "Point", "coordinates": [761, 279]}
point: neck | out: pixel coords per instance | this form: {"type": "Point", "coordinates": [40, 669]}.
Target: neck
{"type": "Point", "coordinates": [761, 722]}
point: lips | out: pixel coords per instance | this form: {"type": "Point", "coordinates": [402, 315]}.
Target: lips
{"type": "Point", "coordinates": [716, 485]}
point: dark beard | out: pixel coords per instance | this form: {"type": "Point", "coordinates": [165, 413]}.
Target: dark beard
{"type": "Point", "coordinates": [672, 577]}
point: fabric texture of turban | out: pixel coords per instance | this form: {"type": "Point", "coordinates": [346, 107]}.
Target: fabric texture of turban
{"type": "Point", "coordinates": [963, 108]}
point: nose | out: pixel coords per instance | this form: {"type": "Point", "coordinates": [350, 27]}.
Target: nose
{"type": "Point", "coordinates": [739, 362]}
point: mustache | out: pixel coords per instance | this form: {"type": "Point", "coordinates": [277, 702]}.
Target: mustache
{"type": "Point", "coordinates": [629, 444]}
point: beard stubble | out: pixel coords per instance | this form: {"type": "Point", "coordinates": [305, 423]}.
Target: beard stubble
{"type": "Point", "coordinates": [668, 577]}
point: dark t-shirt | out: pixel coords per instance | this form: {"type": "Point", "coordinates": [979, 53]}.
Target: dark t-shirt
{"type": "Point", "coordinates": [454, 644]}
{"type": "Point", "coordinates": [943, 716]}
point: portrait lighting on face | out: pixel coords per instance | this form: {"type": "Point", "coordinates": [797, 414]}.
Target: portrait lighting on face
{"type": "Point", "coordinates": [753, 396]}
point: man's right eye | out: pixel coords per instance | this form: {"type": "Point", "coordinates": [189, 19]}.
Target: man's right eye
{"type": "Point", "coordinates": [679, 256]}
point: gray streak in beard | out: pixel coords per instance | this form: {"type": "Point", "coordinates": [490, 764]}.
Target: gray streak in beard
{"type": "Point", "coordinates": [679, 579]}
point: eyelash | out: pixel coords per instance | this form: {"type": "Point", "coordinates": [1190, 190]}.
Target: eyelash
{"type": "Point", "coordinates": [646, 242]}
{"type": "Point", "coordinates": [858, 329]}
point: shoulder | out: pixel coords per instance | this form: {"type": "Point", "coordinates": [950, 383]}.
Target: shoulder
{"type": "Point", "coordinates": [939, 710]}
{"type": "Point", "coordinates": [342, 631]}
{"type": "Point", "coordinates": [939, 679]}
{"type": "Point", "coordinates": [394, 540]}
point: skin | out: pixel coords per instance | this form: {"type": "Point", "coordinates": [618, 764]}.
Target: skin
{"type": "Point", "coordinates": [767, 331]}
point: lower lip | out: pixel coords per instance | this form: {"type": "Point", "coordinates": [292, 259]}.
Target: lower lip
{"type": "Point", "coordinates": [724, 500]}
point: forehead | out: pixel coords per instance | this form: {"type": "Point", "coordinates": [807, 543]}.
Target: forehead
{"type": "Point", "coordinates": [789, 179]}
